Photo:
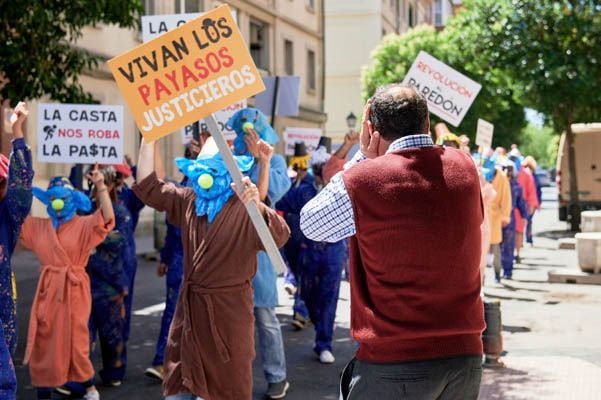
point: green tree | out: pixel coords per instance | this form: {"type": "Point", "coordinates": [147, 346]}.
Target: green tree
{"type": "Point", "coordinates": [38, 55]}
{"type": "Point", "coordinates": [553, 48]}
{"type": "Point", "coordinates": [495, 103]}
{"type": "Point", "coordinates": [541, 143]}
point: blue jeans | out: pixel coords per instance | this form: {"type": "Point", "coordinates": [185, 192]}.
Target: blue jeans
{"type": "Point", "coordinates": [271, 344]}
{"type": "Point", "coordinates": [183, 396]}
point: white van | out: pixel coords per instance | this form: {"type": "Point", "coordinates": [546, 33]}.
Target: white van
{"type": "Point", "coordinates": [588, 168]}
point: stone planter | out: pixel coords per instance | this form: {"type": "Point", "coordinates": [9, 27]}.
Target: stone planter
{"type": "Point", "coordinates": [588, 247]}
{"type": "Point", "coordinates": [591, 221]}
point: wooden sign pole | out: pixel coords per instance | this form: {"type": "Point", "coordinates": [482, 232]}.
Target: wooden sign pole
{"type": "Point", "coordinates": [253, 211]}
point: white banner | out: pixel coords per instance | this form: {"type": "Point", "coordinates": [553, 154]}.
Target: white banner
{"type": "Point", "coordinates": [222, 117]}
{"type": "Point", "coordinates": [484, 134]}
{"type": "Point", "coordinates": [310, 136]}
{"type": "Point", "coordinates": [80, 133]}
{"type": "Point", "coordinates": [448, 92]}
{"type": "Point", "coordinates": [156, 25]}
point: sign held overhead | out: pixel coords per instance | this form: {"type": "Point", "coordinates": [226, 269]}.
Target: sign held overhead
{"type": "Point", "coordinates": [80, 133]}
{"type": "Point", "coordinates": [484, 134]}
{"type": "Point", "coordinates": [448, 92]}
{"type": "Point", "coordinates": [186, 74]}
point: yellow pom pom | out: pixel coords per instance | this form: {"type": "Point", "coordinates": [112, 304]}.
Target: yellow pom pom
{"type": "Point", "coordinates": [247, 126]}
{"type": "Point", "coordinates": [58, 204]}
{"type": "Point", "coordinates": [205, 181]}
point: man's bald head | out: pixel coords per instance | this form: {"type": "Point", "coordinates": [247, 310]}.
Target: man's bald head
{"type": "Point", "coordinates": [399, 110]}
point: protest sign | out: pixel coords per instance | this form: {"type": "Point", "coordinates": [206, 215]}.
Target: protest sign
{"type": "Point", "coordinates": [448, 92]}
{"type": "Point", "coordinates": [186, 74]}
{"type": "Point", "coordinates": [156, 25]}
{"type": "Point", "coordinates": [222, 116]}
{"type": "Point", "coordinates": [80, 133]}
{"type": "Point", "coordinates": [310, 136]}
{"type": "Point", "coordinates": [484, 134]}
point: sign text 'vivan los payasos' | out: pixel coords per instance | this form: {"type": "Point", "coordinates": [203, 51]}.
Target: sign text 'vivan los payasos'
{"type": "Point", "coordinates": [186, 74]}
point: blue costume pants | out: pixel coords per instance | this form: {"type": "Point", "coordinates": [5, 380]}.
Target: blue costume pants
{"type": "Point", "coordinates": [507, 249]}
{"type": "Point", "coordinates": [108, 320]}
{"type": "Point", "coordinates": [8, 380]}
{"type": "Point", "coordinates": [322, 265]}
{"type": "Point", "coordinates": [173, 283]}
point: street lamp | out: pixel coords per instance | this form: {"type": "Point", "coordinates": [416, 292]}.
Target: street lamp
{"type": "Point", "coordinates": [351, 121]}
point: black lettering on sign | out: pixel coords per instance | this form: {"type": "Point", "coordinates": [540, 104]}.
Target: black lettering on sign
{"type": "Point", "coordinates": [55, 151]}
{"type": "Point", "coordinates": [56, 115]}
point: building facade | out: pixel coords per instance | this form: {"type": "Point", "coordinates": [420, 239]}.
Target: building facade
{"type": "Point", "coordinates": [353, 30]}
{"type": "Point", "coordinates": [285, 37]}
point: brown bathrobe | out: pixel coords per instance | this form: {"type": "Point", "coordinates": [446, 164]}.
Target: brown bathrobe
{"type": "Point", "coordinates": [210, 348]}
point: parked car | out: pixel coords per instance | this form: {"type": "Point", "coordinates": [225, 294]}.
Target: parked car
{"type": "Point", "coordinates": [543, 177]}
{"type": "Point", "coordinates": [587, 148]}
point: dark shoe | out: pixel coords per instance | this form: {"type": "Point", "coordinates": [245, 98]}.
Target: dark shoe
{"type": "Point", "coordinates": [299, 322]}
{"type": "Point", "coordinates": [64, 390]}
{"type": "Point", "coordinates": [497, 277]}
{"type": "Point", "coordinates": [155, 372]}
{"type": "Point", "coordinates": [508, 277]}
{"type": "Point", "coordinates": [277, 390]}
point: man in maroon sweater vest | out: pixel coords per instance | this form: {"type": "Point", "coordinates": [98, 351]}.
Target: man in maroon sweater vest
{"type": "Point", "coordinates": [416, 310]}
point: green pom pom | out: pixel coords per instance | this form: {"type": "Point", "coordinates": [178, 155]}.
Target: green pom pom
{"type": "Point", "coordinates": [205, 181]}
{"type": "Point", "coordinates": [247, 126]}
{"type": "Point", "coordinates": [58, 204]}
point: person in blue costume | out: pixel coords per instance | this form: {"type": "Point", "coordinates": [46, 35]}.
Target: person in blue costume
{"type": "Point", "coordinates": [127, 198]}
{"type": "Point", "coordinates": [321, 263]}
{"type": "Point", "coordinates": [16, 175]}
{"type": "Point", "coordinates": [253, 132]}
{"type": "Point", "coordinates": [170, 266]}
{"type": "Point", "coordinates": [291, 205]}
{"type": "Point", "coordinates": [519, 210]}
{"type": "Point", "coordinates": [110, 286]}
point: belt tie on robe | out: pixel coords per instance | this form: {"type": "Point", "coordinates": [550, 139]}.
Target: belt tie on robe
{"type": "Point", "coordinates": [54, 291]}
{"type": "Point", "coordinates": [188, 336]}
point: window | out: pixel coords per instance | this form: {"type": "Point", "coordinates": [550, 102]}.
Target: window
{"type": "Point", "coordinates": [149, 7]}
{"type": "Point", "coordinates": [310, 4]}
{"type": "Point", "coordinates": [189, 6]}
{"type": "Point", "coordinates": [289, 57]}
{"type": "Point", "coordinates": [258, 44]}
{"type": "Point", "coordinates": [311, 84]}
{"type": "Point", "coordinates": [411, 16]}
{"type": "Point", "coordinates": [438, 13]}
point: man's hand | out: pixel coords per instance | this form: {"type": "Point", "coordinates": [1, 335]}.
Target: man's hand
{"type": "Point", "coordinates": [265, 152]}
{"type": "Point", "coordinates": [162, 269]}
{"type": "Point", "coordinates": [194, 148]}
{"type": "Point", "coordinates": [351, 139]}
{"type": "Point", "coordinates": [97, 178]}
{"type": "Point", "coordinates": [248, 193]}
{"type": "Point", "coordinates": [370, 139]}
{"type": "Point", "coordinates": [251, 138]}
{"type": "Point", "coordinates": [17, 119]}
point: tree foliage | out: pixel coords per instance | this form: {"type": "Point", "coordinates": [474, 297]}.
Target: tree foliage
{"type": "Point", "coordinates": [38, 55]}
{"type": "Point", "coordinates": [496, 102]}
{"type": "Point", "coordinates": [541, 143]}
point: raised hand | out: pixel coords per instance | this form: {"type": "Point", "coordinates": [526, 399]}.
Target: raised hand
{"type": "Point", "coordinates": [96, 177]}
{"type": "Point", "coordinates": [265, 151]}
{"type": "Point", "coordinates": [17, 119]}
{"type": "Point", "coordinates": [252, 142]}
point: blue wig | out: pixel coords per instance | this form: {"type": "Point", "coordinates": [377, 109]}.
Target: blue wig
{"type": "Point", "coordinates": [210, 200]}
{"type": "Point", "coordinates": [261, 125]}
{"type": "Point", "coordinates": [61, 192]}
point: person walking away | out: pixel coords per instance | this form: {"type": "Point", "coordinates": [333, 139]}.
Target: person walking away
{"type": "Point", "coordinates": [526, 180]}
{"type": "Point", "coordinates": [530, 164]}
{"type": "Point", "coordinates": [499, 212]}
{"type": "Point", "coordinates": [210, 346]}
{"type": "Point", "coordinates": [58, 342]}
{"type": "Point", "coordinates": [389, 202]}
{"type": "Point", "coordinates": [254, 137]}
{"type": "Point", "coordinates": [16, 175]}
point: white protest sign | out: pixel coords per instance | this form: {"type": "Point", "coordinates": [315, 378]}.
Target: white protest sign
{"type": "Point", "coordinates": [80, 133]}
{"type": "Point", "coordinates": [155, 25]}
{"type": "Point", "coordinates": [484, 134]}
{"type": "Point", "coordinates": [448, 92]}
{"type": "Point", "coordinates": [222, 117]}
{"type": "Point", "coordinates": [310, 136]}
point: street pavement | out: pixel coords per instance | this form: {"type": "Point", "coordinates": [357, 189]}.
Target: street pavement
{"type": "Point", "coordinates": [550, 331]}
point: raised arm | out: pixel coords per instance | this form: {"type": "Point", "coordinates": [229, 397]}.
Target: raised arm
{"type": "Point", "coordinates": [265, 154]}
{"type": "Point", "coordinates": [102, 194]}
{"type": "Point", "coordinates": [20, 171]}
{"type": "Point", "coordinates": [146, 160]}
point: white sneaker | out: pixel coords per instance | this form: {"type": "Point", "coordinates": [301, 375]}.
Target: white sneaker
{"type": "Point", "coordinates": [94, 395]}
{"type": "Point", "coordinates": [290, 288]}
{"type": "Point", "coordinates": [326, 357]}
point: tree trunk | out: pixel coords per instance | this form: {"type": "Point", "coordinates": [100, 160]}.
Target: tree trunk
{"type": "Point", "coordinates": [574, 205]}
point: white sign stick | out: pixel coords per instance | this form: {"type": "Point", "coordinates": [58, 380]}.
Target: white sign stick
{"type": "Point", "coordinates": [253, 211]}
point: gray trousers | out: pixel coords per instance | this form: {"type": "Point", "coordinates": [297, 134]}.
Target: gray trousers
{"type": "Point", "coordinates": [456, 378]}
